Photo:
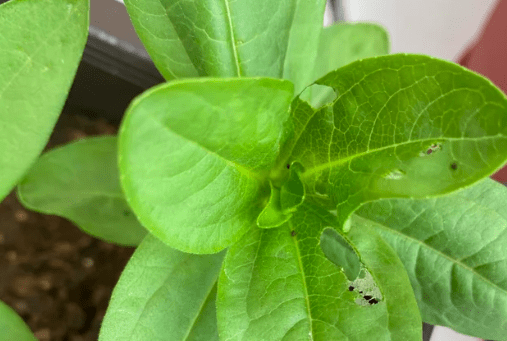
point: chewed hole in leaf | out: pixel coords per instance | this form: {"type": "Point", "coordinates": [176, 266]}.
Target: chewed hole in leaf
{"type": "Point", "coordinates": [367, 289]}
{"type": "Point", "coordinates": [434, 147]}
{"type": "Point", "coordinates": [318, 95]}
{"type": "Point", "coordinates": [340, 253]}
{"type": "Point", "coordinates": [395, 174]}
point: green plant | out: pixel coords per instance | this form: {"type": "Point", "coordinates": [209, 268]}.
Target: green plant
{"type": "Point", "coordinates": [290, 192]}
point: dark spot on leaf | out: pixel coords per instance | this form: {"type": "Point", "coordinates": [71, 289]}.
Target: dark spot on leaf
{"type": "Point", "coordinates": [429, 151]}
{"type": "Point", "coordinates": [434, 146]}
{"type": "Point", "coordinates": [373, 301]}
{"type": "Point", "coordinates": [288, 166]}
{"type": "Point", "coordinates": [126, 213]}
{"type": "Point", "coordinates": [454, 166]}
{"type": "Point", "coordinates": [367, 297]}
{"type": "Point", "coordinates": [360, 292]}
{"type": "Point", "coordinates": [351, 288]}
{"type": "Point", "coordinates": [293, 233]}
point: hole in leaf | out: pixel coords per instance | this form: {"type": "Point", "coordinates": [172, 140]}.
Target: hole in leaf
{"type": "Point", "coordinates": [340, 253]}
{"type": "Point", "coordinates": [373, 301]}
{"type": "Point", "coordinates": [351, 288]}
{"type": "Point", "coordinates": [395, 174]}
{"type": "Point", "coordinates": [454, 166]}
{"type": "Point", "coordinates": [431, 149]}
{"type": "Point", "coordinates": [367, 287]}
{"type": "Point", "coordinates": [318, 95]}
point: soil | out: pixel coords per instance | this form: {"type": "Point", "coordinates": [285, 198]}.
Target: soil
{"type": "Point", "coordinates": [55, 276]}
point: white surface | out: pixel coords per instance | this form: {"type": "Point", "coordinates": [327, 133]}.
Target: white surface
{"type": "Point", "coordinates": [328, 15]}
{"type": "Point", "coordinates": [445, 334]}
{"type": "Point", "coordinates": [440, 28]}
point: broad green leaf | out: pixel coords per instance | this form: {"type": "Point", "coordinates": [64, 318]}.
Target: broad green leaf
{"type": "Point", "coordinates": [80, 182]}
{"type": "Point", "coordinates": [195, 156]}
{"type": "Point", "coordinates": [164, 294]}
{"type": "Point", "coordinates": [40, 48]}
{"type": "Point", "coordinates": [453, 248]}
{"type": "Point", "coordinates": [272, 215]}
{"type": "Point", "coordinates": [12, 326]}
{"type": "Point", "coordinates": [224, 38]}
{"type": "Point", "coordinates": [401, 126]}
{"type": "Point", "coordinates": [303, 42]}
{"type": "Point", "coordinates": [277, 284]}
{"type": "Point", "coordinates": [341, 44]}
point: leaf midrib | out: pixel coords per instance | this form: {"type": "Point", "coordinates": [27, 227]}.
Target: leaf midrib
{"type": "Point", "coordinates": [339, 162]}
{"type": "Point", "coordinates": [303, 276]}
{"type": "Point", "coordinates": [233, 38]}
{"type": "Point", "coordinates": [453, 261]}
{"type": "Point", "coordinates": [201, 308]}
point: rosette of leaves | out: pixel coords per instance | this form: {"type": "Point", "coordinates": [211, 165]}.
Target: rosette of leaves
{"type": "Point", "coordinates": [306, 186]}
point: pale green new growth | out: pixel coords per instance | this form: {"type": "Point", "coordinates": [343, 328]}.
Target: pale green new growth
{"type": "Point", "coordinates": [195, 156]}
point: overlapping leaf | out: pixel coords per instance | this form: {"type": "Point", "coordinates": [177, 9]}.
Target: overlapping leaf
{"type": "Point", "coordinates": [401, 126]}
{"type": "Point", "coordinates": [12, 326]}
{"type": "Point", "coordinates": [341, 44]}
{"type": "Point", "coordinates": [453, 248]}
{"type": "Point", "coordinates": [164, 294]}
{"type": "Point", "coordinates": [277, 284]}
{"type": "Point", "coordinates": [227, 38]}
{"type": "Point", "coordinates": [195, 156]}
{"type": "Point", "coordinates": [40, 48]}
{"type": "Point", "coordinates": [303, 42]}
{"type": "Point", "coordinates": [80, 182]}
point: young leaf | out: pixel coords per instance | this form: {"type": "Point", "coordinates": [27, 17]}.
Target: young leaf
{"type": "Point", "coordinates": [341, 44]}
{"type": "Point", "coordinates": [164, 294]}
{"type": "Point", "coordinates": [80, 182]}
{"type": "Point", "coordinates": [402, 126]}
{"type": "Point", "coordinates": [40, 48]}
{"type": "Point", "coordinates": [12, 326]}
{"type": "Point", "coordinates": [272, 215]}
{"type": "Point", "coordinates": [292, 192]}
{"type": "Point", "coordinates": [195, 155]}
{"type": "Point", "coordinates": [216, 38]}
{"type": "Point", "coordinates": [453, 248]}
{"type": "Point", "coordinates": [277, 284]}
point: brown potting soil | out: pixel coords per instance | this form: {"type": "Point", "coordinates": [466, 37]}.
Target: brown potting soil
{"type": "Point", "coordinates": [57, 278]}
